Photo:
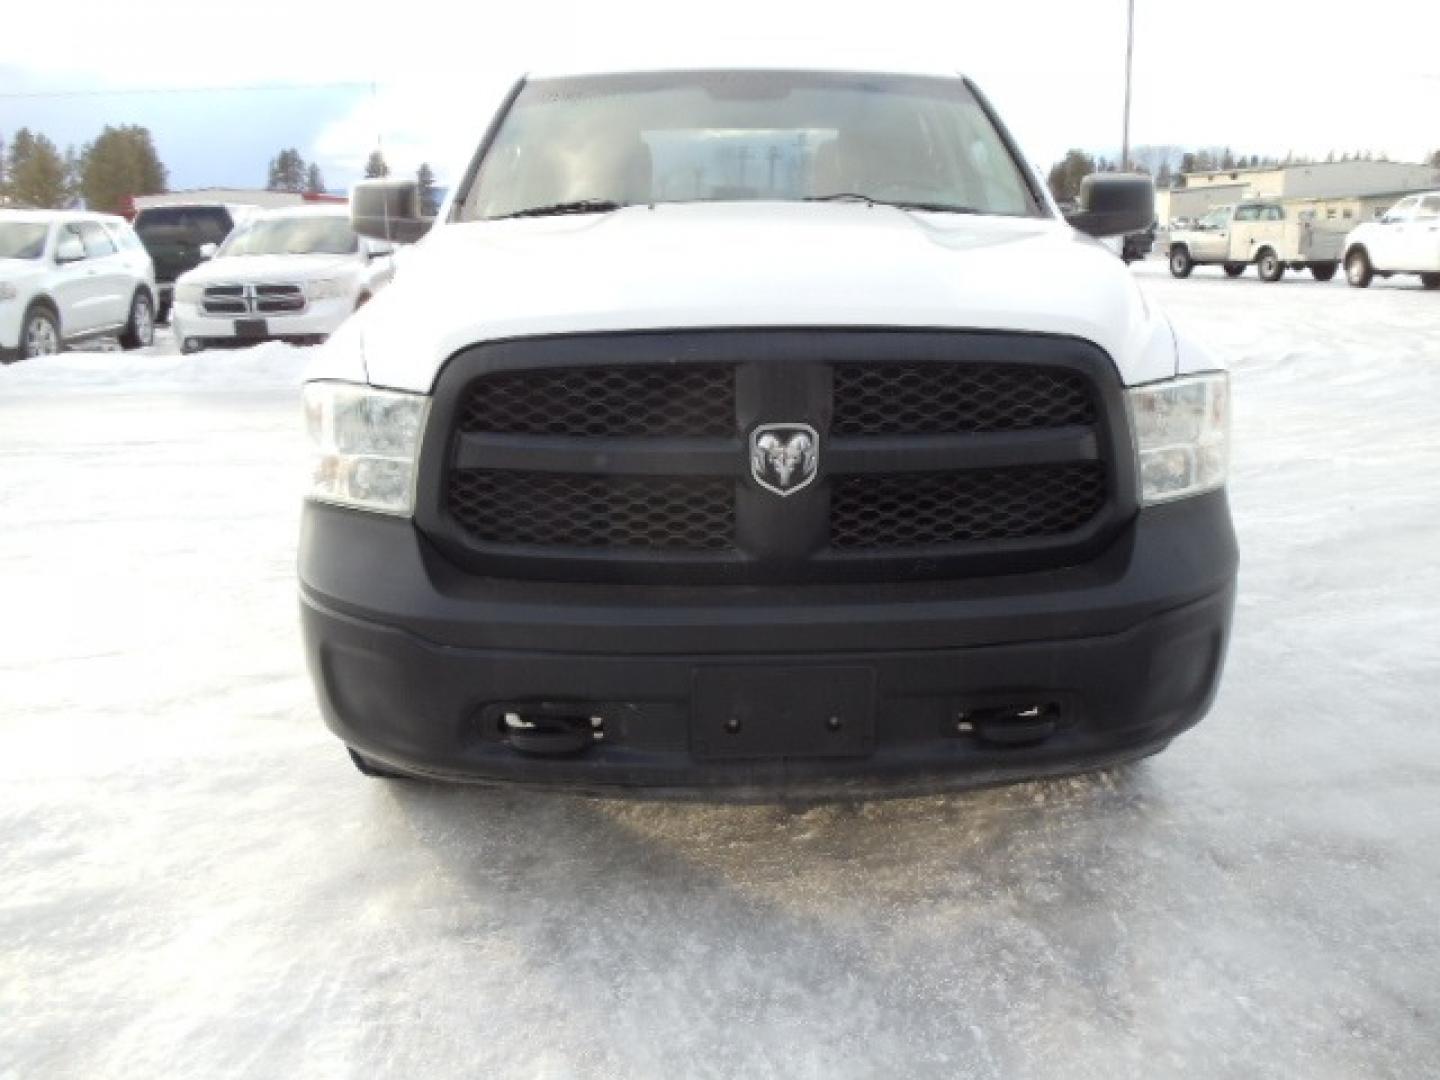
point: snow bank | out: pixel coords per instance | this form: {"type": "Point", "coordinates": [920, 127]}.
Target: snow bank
{"type": "Point", "coordinates": [269, 366]}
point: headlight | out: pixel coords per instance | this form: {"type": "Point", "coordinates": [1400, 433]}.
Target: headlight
{"type": "Point", "coordinates": [8, 291]}
{"type": "Point", "coordinates": [366, 442]}
{"type": "Point", "coordinates": [189, 292]}
{"type": "Point", "coordinates": [326, 288]}
{"type": "Point", "coordinates": [1182, 436]}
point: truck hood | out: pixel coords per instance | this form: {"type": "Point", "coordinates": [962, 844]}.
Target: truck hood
{"type": "Point", "coordinates": [269, 269]}
{"type": "Point", "coordinates": [749, 265]}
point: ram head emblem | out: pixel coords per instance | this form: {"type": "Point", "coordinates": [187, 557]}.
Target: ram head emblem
{"type": "Point", "coordinates": [784, 458]}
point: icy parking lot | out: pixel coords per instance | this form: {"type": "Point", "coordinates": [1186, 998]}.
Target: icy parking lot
{"type": "Point", "coordinates": [197, 883]}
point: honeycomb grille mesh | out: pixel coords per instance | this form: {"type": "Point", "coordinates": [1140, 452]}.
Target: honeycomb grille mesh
{"type": "Point", "coordinates": [928, 509]}
{"type": "Point", "coordinates": [656, 400]}
{"type": "Point", "coordinates": [924, 399]}
{"type": "Point", "coordinates": [571, 510]}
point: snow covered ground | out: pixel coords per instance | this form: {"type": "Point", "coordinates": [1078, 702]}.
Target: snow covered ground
{"type": "Point", "coordinates": [196, 883]}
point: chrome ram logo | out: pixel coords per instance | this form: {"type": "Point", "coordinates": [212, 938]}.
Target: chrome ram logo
{"type": "Point", "coordinates": [784, 457]}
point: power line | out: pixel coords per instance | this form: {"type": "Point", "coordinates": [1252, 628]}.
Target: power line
{"type": "Point", "coordinates": [14, 95]}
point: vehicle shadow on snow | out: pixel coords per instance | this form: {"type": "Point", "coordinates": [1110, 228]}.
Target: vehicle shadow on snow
{"type": "Point", "coordinates": [910, 906]}
{"type": "Point", "coordinates": [504, 831]}
{"type": "Point", "coordinates": [969, 816]}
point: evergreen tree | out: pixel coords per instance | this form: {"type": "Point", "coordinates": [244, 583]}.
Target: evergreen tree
{"type": "Point", "coordinates": [287, 171]}
{"type": "Point", "coordinates": [375, 166]}
{"type": "Point", "coordinates": [425, 181]}
{"type": "Point", "coordinates": [1065, 175]}
{"type": "Point", "coordinates": [120, 164]}
{"type": "Point", "coordinates": [1227, 160]}
{"type": "Point", "coordinates": [1435, 160]}
{"type": "Point", "coordinates": [314, 181]}
{"type": "Point", "coordinates": [21, 149]}
{"type": "Point", "coordinates": [36, 172]}
{"type": "Point", "coordinates": [1164, 178]}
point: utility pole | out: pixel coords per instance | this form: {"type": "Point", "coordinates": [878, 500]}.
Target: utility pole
{"type": "Point", "coordinates": [1129, 56]}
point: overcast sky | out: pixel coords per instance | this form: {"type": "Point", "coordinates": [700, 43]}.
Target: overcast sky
{"type": "Point", "coordinates": [1264, 76]}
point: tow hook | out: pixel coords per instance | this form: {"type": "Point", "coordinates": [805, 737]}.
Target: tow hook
{"type": "Point", "coordinates": [1011, 724]}
{"type": "Point", "coordinates": [548, 731]}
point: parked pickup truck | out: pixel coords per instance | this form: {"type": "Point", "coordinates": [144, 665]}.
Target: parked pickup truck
{"type": "Point", "coordinates": [1263, 232]}
{"type": "Point", "coordinates": [1405, 241]}
{"type": "Point", "coordinates": [761, 430]}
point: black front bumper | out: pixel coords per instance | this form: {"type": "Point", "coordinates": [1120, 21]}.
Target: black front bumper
{"type": "Point", "coordinates": [416, 663]}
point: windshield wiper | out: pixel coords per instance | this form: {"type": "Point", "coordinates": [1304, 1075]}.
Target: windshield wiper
{"type": "Point", "coordinates": [844, 196]}
{"type": "Point", "coordinates": [938, 208]}
{"type": "Point", "coordinates": [899, 204]}
{"type": "Point", "coordinates": [576, 206]}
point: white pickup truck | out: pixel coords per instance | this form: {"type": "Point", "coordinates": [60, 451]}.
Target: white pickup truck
{"type": "Point", "coordinates": [1264, 232]}
{"type": "Point", "coordinates": [756, 430]}
{"type": "Point", "coordinates": [1405, 241]}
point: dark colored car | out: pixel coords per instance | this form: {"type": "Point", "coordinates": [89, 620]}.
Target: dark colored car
{"type": "Point", "coordinates": [174, 236]}
{"type": "Point", "coordinates": [1138, 245]}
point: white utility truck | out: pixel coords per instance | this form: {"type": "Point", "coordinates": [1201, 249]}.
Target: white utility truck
{"type": "Point", "coordinates": [1263, 232]}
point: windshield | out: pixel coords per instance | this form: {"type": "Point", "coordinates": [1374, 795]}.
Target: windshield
{"type": "Point", "coordinates": [1215, 218]}
{"type": "Point", "coordinates": [747, 135]}
{"type": "Point", "coordinates": [328, 235]}
{"type": "Point", "coordinates": [198, 224]}
{"type": "Point", "coordinates": [23, 239]}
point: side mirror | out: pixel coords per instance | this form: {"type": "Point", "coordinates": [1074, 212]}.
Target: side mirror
{"type": "Point", "coordinates": [388, 210]}
{"type": "Point", "coordinates": [69, 250]}
{"type": "Point", "coordinates": [207, 251]}
{"type": "Point", "coordinates": [1113, 204]}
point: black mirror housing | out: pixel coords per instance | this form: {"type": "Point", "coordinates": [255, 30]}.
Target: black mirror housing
{"type": "Point", "coordinates": [388, 210]}
{"type": "Point", "coordinates": [1113, 204]}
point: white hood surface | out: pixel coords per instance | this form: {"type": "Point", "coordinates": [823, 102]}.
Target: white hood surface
{"type": "Point", "coordinates": [748, 265]}
{"type": "Point", "coordinates": [269, 269]}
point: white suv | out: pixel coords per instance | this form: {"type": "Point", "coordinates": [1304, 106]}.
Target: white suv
{"type": "Point", "coordinates": [1405, 241]}
{"type": "Point", "coordinates": [66, 277]}
{"type": "Point", "coordinates": [294, 274]}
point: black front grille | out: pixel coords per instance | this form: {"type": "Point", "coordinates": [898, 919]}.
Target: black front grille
{"type": "Point", "coordinates": [575, 457]}
{"type": "Point", "coordinates": [587, 511]}
{"type": "Point", "coordinates": [225, 300]}
{"type": "Point", "coordinates": [605, 401]}
{"type": "Point", "coordinates": [923, 399]}
{"type": "Point", "coordinates": [254, 299]}
{"type": "Point", "coordinates": [275, 299]}
{"type": "Point", "coordinates": [919, 510]}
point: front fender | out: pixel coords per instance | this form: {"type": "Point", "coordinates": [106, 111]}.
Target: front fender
{"type": "Point", "coordinates": [1193, 357]}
